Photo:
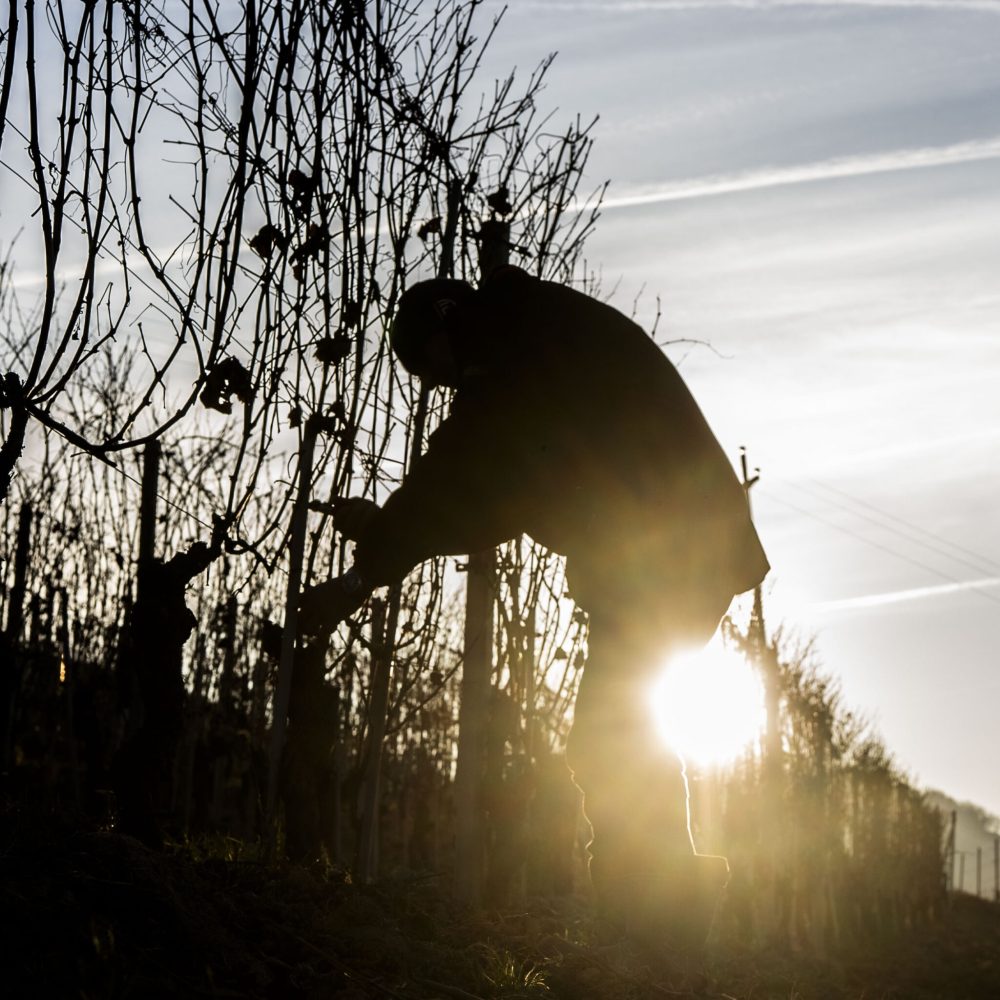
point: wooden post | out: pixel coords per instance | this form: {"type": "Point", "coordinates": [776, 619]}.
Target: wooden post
{"type": "Point", "coordinates": [473, 708]}
{"type": "Point", "coordinates": [147, 512]}
{"type": "Point", "coordinates": [227, 683]}
{"type": "Point", "coordinates": [775, 836]}
{"type": "Point", "coordinates": [477, 665]}
{"type": "Point", "coordinates": [389, 612]}
{"type": "Point", "coordinates": [378, 707]}
{"type": "Point", "coordinates": [258, 696]}
{"type": "Point", "coordinates": [67, 667]}
{"type": "Point", "coordinates": [996, 867]}
{"type": "Point", "coordinates": [339, 768]}
{"type": "Point", "coordinates": [283, 689]}
{"type": "Point", "coordinates": [961, 871]}
{"type": "Point", "coordinates": [767, 661]}
{"type": "Point", "coordinates": [15, 605]}
{"type": "Point", "coordinates": [950, 858]}
{"type": "Point", "coordinates": [528, 652]}
{"type": "Point", "coordinates": [11, 663]}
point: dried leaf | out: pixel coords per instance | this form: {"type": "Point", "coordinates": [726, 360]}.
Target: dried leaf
{"type": "Point", "coordinates": [333, 350]}
{"type": "Point", "coordinates": [350, 314]}
{"type": "Point", "coordinates": [303, 187]}
{"type": "Point", "coordinates": [312, 246]}
{"type": "Point", "coordinates": [227, 379]}
{"type": "Point", "coordinates": [500, 202]}
{"type": "Point", "coordinates": [429, 227]}
{"type": "Point", "coordinates": [268, 237]}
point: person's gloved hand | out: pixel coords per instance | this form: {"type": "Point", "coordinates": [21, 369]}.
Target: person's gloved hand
{"type": "Point", "coordinates": [323, 607]}
{"type": "Point", "coordinates": [352, 515]}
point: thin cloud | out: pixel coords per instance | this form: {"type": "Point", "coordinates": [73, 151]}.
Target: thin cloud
{"type": "Point", "coordinates": [806, 173]}
{"type": "Point", "coordinates": [666, 6]}
{"type": "Point", "coordinates": [901, 596]}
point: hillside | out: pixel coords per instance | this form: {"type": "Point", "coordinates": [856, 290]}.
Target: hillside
{"type": "Point", "coordinates": [93, 914]}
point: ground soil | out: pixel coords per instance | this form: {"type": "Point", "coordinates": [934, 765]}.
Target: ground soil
{"type": "Point", "coordinates": [91, 914]}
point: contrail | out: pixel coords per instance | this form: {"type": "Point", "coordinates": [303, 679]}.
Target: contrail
{"type": "Point", "coordinates": [848, 166]}
{"type": "Point", "coordinates": [901, 596]}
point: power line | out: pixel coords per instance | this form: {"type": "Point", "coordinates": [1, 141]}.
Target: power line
{"type": "Point", "coordinates": [981, 565]}
{"type": "Point", "coordinates": [885, 548]}
{"type": "Point", "coordinates": [131, 479]}
{"type": "Point", "coordinates": [993, 564]}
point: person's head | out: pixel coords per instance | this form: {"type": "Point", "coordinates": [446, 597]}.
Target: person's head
{"type": "Point", "coordinates": [422, 333]}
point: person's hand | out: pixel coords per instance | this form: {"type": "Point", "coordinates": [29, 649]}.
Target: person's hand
{"type": "Point", "coordinates": [323, 607]}
{"type": "Point", "coordinates": [352, 515]}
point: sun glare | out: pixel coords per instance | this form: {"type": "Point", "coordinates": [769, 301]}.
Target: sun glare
{"type": "Point", "coordinates": [709, 705]}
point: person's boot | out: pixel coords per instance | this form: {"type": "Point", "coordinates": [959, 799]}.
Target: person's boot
{"type": "Point", "coordinates": [673, 909]}
{"type": "Point", "coordinates": [666, 908]}
{"type": "Point", "coordinates": [612, 899]}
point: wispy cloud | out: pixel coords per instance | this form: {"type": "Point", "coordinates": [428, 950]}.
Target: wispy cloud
{"type": "Point", "coordinates": [640, 6]}
{"type": "Point", "coordinates": [901, 596]}
{"type": "Point", "coordinates": [840, 167]}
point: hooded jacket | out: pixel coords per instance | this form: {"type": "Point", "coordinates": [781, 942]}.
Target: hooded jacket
{"type": "Point", "coordinates": [569, 424]}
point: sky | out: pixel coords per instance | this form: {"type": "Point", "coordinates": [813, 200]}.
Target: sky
{"type": "Point", "coordinates": [813, 189]}
{"type": "Point", "coordinates": [812, 192]}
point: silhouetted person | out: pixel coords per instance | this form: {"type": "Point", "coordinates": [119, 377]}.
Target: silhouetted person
{"type": "Point", "coordinates": [569, 424]}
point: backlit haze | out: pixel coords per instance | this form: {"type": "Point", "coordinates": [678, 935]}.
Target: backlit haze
{"type": "Point", "coordinates": [813, 189]}
{"type": "Point", "coordinates": [709, 705]}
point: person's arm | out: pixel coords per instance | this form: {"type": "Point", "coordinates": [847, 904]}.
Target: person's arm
{"type": "Point", "coordinates": [460, 496]}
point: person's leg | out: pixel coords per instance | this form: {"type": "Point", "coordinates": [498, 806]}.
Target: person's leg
{"type": "Point", "coordinates": [647, 878]}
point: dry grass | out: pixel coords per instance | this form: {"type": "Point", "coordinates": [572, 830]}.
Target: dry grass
{"type": "Point", "coordinates": [89, 914]}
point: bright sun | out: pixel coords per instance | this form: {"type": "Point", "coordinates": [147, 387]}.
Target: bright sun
{"type": "Point", "coordinates": [709, 705]}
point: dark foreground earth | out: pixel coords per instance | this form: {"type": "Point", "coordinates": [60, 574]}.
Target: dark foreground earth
{"type": "Point", "coordinates": [89, 914]}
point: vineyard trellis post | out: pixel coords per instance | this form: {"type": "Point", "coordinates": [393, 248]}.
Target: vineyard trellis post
{"type": "Point", "coordinates": [773, 896]}
{"type": "Point", "coordinates": [477, 665]}
{"type": "Point", "coordinates": [283, 689]}
{"type": "Point", "coordinates": [147, 512]}
{"type": "Point", "coordinates": [10, 682]}
{"type": "Point", "coordinates": [950, 850]}
{"type": "Point", "coordinates": [767, 663]}
{"type": "Point", "coordinates": [381, 659]}
{"type": "Point", "coordinates": [15, 604]}
{"type": "Point", "coordinates": [996, 867]}
{"type": "Point", "coordinates": [387, 620]}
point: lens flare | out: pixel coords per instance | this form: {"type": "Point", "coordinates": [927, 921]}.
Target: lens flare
{"type": "Point", "coordinates": [709, 706]}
